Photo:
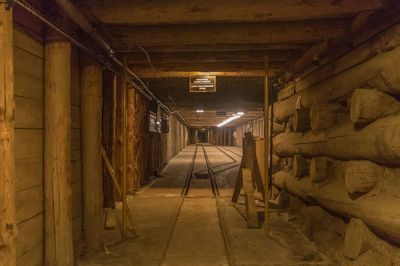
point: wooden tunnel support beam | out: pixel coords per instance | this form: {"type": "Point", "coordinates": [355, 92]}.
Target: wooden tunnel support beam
{"type": "Point", "coordinates": [8, 228]}
{"type": "Point", "coordinates": [119, 190]}
{"type": "Point", "coordinates": [92, 182]}
{"type": "Point", "coordinates": [124, 148]}
{"type": "Point", "coordinates": [266, 147]}
{"type": "Point", "coordinates": [108, 134]}
{"type": "Point", "coordinates": [133, 182]}
{"type": "Point", "coordinates": [57, 149]}
{"type": "Point", "coordinates": [179, 12]}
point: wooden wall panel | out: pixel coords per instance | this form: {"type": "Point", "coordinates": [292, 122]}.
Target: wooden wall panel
{"type": "Point", "coordinates": [153, 150]}
{"type": "Point", "coordinates": [108, 135]}
{"type": "Point", "coordinates": [143, 139]}
{"type": "Point", "coordinates": [28, 237]}
{"type": "Point", "coordinates": [28, 144]}
{"type": "Point", "coordinates": [27, 44]}
{"type": "Point", "coordinates": [28, 73]}
{"type": "Point", "coordinates": [29, 203]}
{"type": "Point", "coordinates": [28, 56]}
{"type": "Point", "coordinates": [239, 136]}
{"type": "Point", "coordinates": [24, 20]}
{"type": "Point", "coordinates": [28, 113]}
{"type": "Point", "coordinates": [169, 142]}
{"type": "Point", "coordinates": [29, 173]}
{"type": "Point", "coordinates": [33, 258]}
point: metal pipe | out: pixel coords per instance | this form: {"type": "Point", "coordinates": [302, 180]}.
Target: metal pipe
{"type": "Point", "coordinates": [76, 16]}
{"type": "Point", "coordinates": [41, 17]}
{"type": "Point", "coordinates": [72, 11]}
{"type": "Point", "coordinates": [50, 24]}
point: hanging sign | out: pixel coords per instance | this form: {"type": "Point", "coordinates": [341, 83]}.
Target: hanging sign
{"type": "Point", "coordinates": [202, 84]}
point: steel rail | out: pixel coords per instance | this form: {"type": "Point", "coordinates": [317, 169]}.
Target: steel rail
{"type": "Point", "coordinates": [184, 192]}
{"type": "Point", "coordinates": [224, 230]}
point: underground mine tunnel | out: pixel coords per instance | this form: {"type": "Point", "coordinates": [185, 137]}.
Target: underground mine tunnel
{"type": "Point", "coordinates": [219, 132]}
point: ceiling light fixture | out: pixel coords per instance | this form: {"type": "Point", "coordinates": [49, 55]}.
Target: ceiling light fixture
{"type": "Point", "coordinates": [235, 116]}
{"type": "Point", "coordinates": [199, 111]}
{"type": "Point", "coordinates": [240, 113]}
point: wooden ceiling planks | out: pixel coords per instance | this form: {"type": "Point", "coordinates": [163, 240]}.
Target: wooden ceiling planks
{"type": "Point", "coordinates": [168, 41]}
{"type": "Point", "coordinates": [139, 12]}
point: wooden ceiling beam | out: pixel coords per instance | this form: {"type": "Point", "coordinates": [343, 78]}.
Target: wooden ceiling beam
{"type": "Point", "coordinates": [210, 57]}
{"type": "Point", "coordinates": [308, 58]}
{"type": "Point", "coordinates": [219, 47]}
{"type": "Point", "coordinates": [151, 73]}
{"type": "Point", "coordinates": [222, 11]}
{"type": "Point", "coordinates": [281, 32]}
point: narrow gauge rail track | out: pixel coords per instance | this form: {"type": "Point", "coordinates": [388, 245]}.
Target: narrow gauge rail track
{"type": "Point", "coordinates": [226, 149]}
{"type": "Point", "coordinates": [215, 190]}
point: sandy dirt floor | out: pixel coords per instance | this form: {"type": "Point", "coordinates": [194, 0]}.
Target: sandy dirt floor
{"type": "Point", "coordinates": [201, 228]}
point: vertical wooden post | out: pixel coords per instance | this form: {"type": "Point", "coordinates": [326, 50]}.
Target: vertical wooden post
{"type": "Point", "coordinates": [266, 146]}
{"type": "Point", "coordinates": [131, 176]}
{"type": "Point", "coordinates": [8, 228]}
{"type": "Point", "coordinates": [114, 126]}
{"type": "Point", "coordinates": [57, 154]}
{"type": "Point", "coordinates": [169, 140]}
{"type": "Point", "coordinates": [108, 136]}
{"type": "Point", "coordinates": [119, 133]}
{"type": "Point", "coordinates": [183, 136]}
{"type": "Point", "coordinates": [92, 182]}
{"type": "Point", "coordinates": [251, 209]}
{"type": "Point", "coordinates": [124, 149]}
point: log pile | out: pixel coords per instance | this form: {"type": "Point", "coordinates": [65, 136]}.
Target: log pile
{"type": "Point", "coordinates": [332, 195]}
{"type": "Point", "coordinates": [341, 148]}
{"type": "Point", "coordinates": [368, 105]}
{"type": "Point", "coordinates": [378, 142]}
{"type": "Point", "coordinates": [301, 120]}
{"type": "Point", "coordinates": [323, 116]}
{"type": "Point", "coordinates": [359, 239]}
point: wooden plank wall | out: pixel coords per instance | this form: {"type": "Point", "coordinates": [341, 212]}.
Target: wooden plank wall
{"type": "Point", "coordinates": [142, 139]}
{"type": "Point", "coordinates": [76, 164]}
{"type": "Point", "coordinates": [28, 67]}
{"type": "Point", "coordinates": [154, 150]}
{"type": "Point", "coordinates": [256, 127]}
{"type": "Point", "coordinates": [239, 136]}
{"type": "Point", "coordinates": [29, 80]}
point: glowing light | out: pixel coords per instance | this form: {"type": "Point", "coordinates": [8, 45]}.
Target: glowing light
{"type": "Point", "coordinates": [240, 113]}
{"type": "Point", "coordinates": [230, 119]}
{"type": "Point", "coordinates": [199, 111]}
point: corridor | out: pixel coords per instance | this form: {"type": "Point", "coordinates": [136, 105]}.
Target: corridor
{"type": "Point", "coordinates": [187, 132]}
{"type": "Point", "coordinates": [184, 223]}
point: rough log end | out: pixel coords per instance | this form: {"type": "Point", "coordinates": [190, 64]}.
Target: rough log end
{"type": "Point", "coordinates": [357, 239]}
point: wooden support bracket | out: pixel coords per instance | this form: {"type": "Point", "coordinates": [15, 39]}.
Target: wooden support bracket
{"type": "Point", "coordinates": [119, 190]}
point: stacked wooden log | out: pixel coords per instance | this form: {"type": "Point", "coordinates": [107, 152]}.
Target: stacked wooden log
{"type": "Point", "coordinates": [343, 150]}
